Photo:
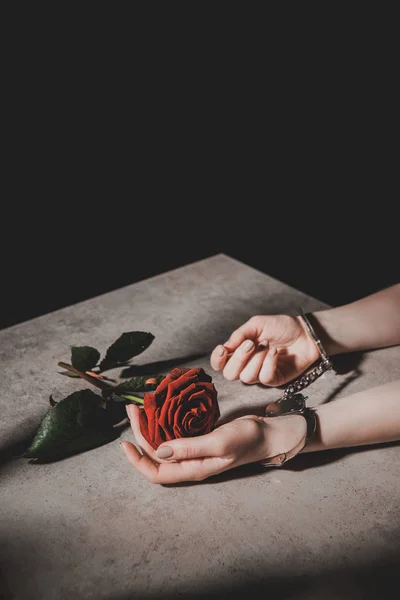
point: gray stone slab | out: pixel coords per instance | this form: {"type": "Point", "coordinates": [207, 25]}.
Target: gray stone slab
{"type": "Point", "coordinates": [90, 526]}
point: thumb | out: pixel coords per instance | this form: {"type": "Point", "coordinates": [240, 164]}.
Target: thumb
{"type": "Point", "coordinates": [250, 330]}
{"type": "Point", "coordinates": [188, 448]}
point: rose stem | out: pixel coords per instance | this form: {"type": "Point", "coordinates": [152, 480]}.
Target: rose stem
{"type": "Point", "coordinates": [93, 380]}
{"type": "Point", "coordinates": [99, 383]}
{"type": "Point", "coordinates": [132, 398]}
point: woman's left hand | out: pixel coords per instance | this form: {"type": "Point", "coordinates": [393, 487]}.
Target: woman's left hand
{"type": "Point", "coordinates": [244, 440]}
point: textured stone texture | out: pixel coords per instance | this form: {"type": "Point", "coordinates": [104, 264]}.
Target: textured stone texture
{"type": "Point", "coordinates": [324, 526]}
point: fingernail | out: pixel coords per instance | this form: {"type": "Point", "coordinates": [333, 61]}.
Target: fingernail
{"type": "Point", "coordinates": [273, 351]}
{"type": "Point", "coordinates": [263, 344]}
{"type": "Point", "coordinates": [220, 350]}
{"type": "Point", "coordinates": [248, 345]}
{"type": "Point", "coordinates": [122, 447]}
{"type": "Point", "coordinates": [128, 408]}
{"type": "Point", "coordinates": [164, 452]}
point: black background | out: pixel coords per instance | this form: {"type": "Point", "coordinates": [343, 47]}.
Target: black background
{"type": "Point", "coordinates": [130, 158]}
{"type": "Point", "coordinates": [323, 251]}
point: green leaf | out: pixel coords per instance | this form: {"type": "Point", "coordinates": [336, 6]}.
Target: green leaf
{"type": "Point", "coordinates": [138, 384]}
{"type": "Point", "coordinates": [75, 424]}
{"type": "Point", "coordinates": [84, 358]}
{"type": "Point", "coordinates": [127, 346]}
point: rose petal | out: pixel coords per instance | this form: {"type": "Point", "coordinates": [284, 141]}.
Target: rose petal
{"type": "Point", "coordinates": [184, 404]}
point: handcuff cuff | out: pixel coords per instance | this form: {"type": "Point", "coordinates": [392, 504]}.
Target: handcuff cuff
{"type": "Point", "coordinates": [292, 402]}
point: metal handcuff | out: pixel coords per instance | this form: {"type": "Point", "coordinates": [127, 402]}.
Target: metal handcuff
{"type": "Point", "coordinates": [294, 403]}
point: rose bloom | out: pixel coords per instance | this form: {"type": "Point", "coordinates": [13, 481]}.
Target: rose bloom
{"type": "Point", "coordinates": [183, 405]}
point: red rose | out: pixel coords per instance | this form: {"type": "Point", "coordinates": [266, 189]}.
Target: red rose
{"type": "Point", "coordinates": [183, 405]}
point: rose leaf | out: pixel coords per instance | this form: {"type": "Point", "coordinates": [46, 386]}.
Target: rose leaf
{"type": "Point", "coordinates": [127, 346]}
{"type": "Point", "coordinates": [84, 358]}
{"type": "Point", "coordinates": [75, 424]}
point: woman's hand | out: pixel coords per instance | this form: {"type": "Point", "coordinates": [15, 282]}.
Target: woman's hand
{"type": "Point", "coordinates": [244, 440]}
{"type": "Point", "coordinates": [271, 350]}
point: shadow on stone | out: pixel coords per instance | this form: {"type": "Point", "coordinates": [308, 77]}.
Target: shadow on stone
{"type": "Point", "coordinates": [345, 363]}
{"type": "Point", "coordinates": [310, 460]}
{"type": "Point", "coordinates": [369, 580]}
{"type": "Point", "coordinates": [242, 472]}
{"type": "Point", "coordinates": [16, 448]}
{"type": "Point", "coordinates": [160, 366]}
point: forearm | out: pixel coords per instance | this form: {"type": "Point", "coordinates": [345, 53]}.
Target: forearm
{"type": "Point", "coordinates": [368, 323]}
{"type": "Point", "coordinates": [368, 417]}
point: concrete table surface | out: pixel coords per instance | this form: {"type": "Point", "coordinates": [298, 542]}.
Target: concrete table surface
{"type": "Point", "coordinates": [326, 525]}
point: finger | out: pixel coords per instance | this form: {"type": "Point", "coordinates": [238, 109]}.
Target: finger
{"type": "Point", "coordinates": [141, 462]}
{"type": "Point", "coordinates": [182, 448]}
{"type": "Point", "coordinates": [208, 445]}
{"type": "Point", "coordinates": [251, 371]}
{"type": "Point", "coordinates": [219, 357]}
{"type": "Point", "coordinates": [250, 330]}
{"type": "Point", "coordinates": [268, 371]}
{"type": "Point", "coordinates": [174, 472]}
{"type": "Point", "coordinates": [133, 412]}
{"type": "Point", "coordinates": [238, 360]}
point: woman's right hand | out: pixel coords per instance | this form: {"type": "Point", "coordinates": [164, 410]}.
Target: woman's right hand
{"type": "Point", "coordinates": [244, 440]}
{"type": "Point", "coordinates": [269, 349]}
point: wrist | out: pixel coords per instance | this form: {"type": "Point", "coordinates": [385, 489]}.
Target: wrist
{"type": "Point", "coordinates": [315, 443]}
{"type": "Point", "coordinates": [313, 354]}
{"type": "Point", "coordinates": [283, 433]}
{"type": "Point", "coordinates": [324, 325]}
